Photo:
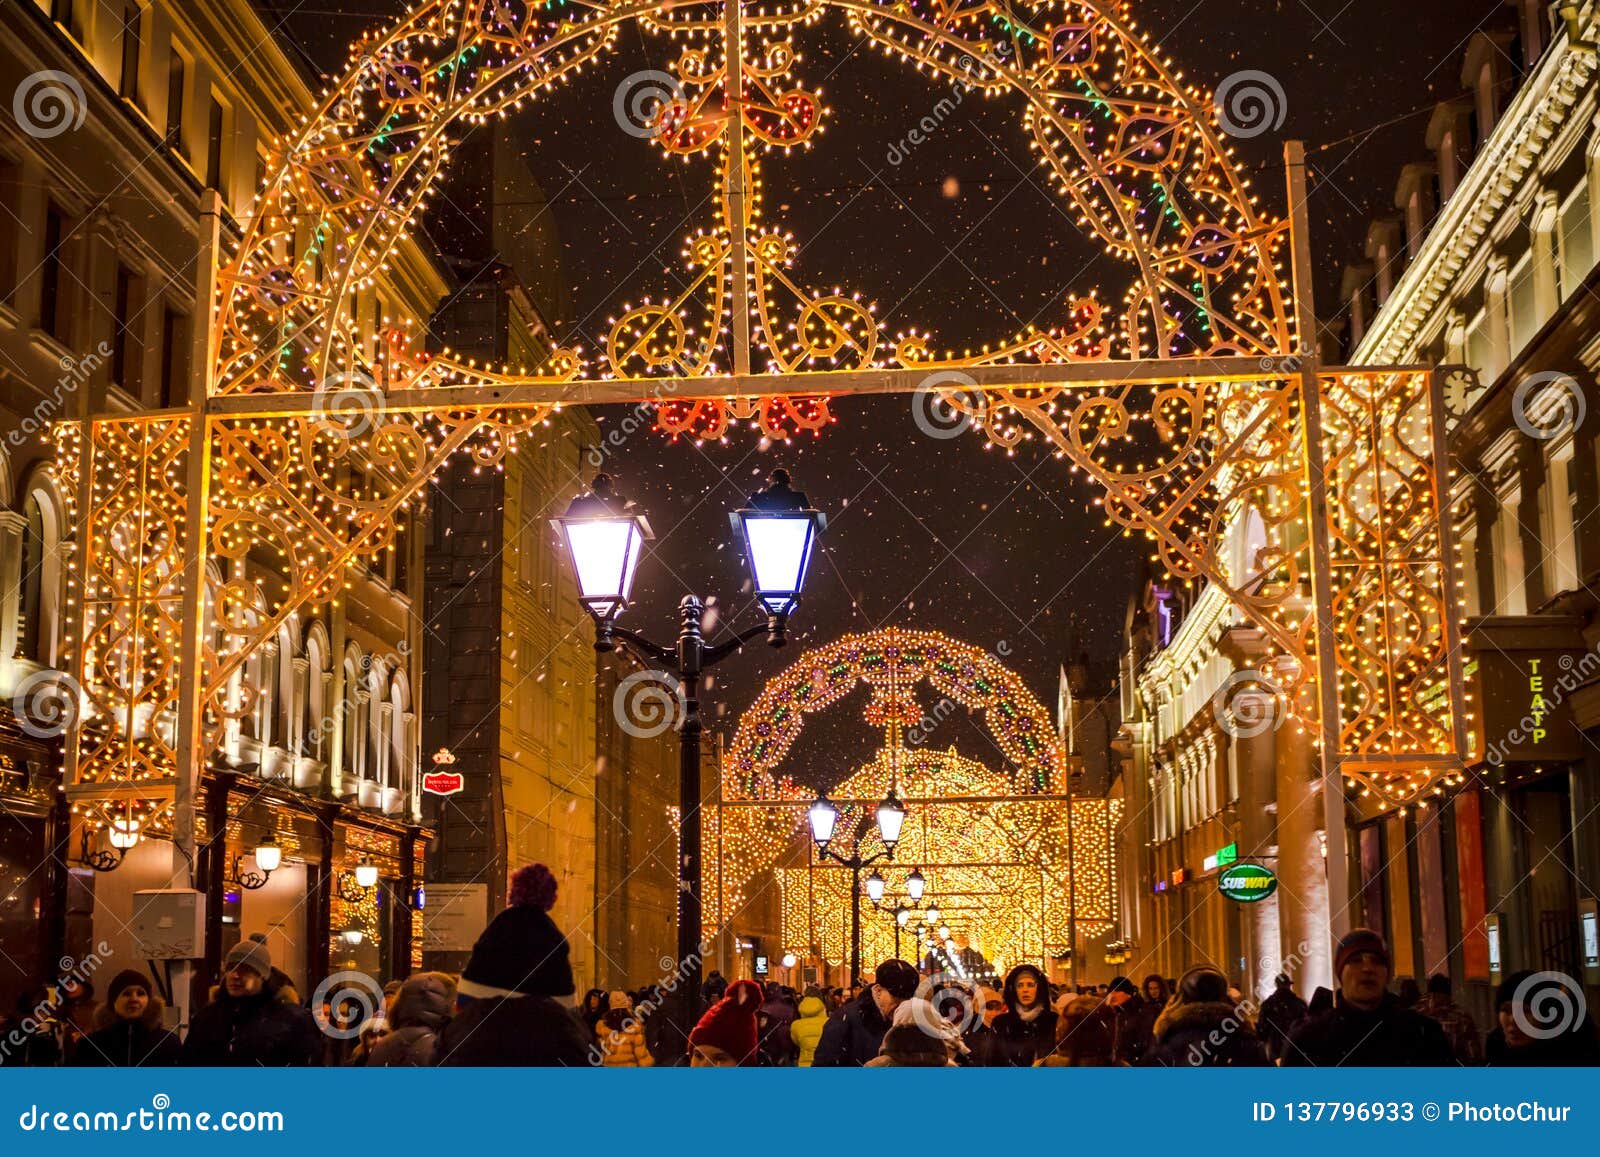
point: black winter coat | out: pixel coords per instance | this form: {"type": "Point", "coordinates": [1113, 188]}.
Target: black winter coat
{"type": "Point", "coordinates": [259, 1030]}
{"type": "Point", "coordinates": [420, 1011]}
{"type": "Point", "coordinates": [1280, 1013]}
{"type": "Point", "coordinates": [512, 1031]}
{"type": "Point", "coordinates": [853, 1035]}
{"type": "Point", "coordinates": [1569, 1050]}
{"type": "Point", "coordinates": [1350, 1037]}
{"type": "Point", "coordinates": [1135, 1029]}
{"type": "Point", "coordinates": [1017, 1042]}
{"type": "Point", "coordinates": [1205, 1034]}
{"type": "Point", "coordinates": [129, 1044]}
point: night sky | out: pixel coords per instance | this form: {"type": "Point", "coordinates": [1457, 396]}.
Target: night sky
{"type": "Point", "coordinates": [961, 238]}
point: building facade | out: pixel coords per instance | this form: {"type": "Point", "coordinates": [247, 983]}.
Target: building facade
{"type": "Point", "coordinates": [1218, 773]}
{"type": "Point", "coordinates": [143, 134]}
{"type": "Point", "coordinates": [1490, 263]}
{"type": "Point", "coordinates": [516, 690]}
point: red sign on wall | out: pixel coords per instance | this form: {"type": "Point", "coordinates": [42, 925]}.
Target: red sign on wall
{"type": "Point", "coordinates": [442, 782]}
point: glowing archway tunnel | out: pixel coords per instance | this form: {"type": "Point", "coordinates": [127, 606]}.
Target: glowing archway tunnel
{"type": "Point", "coordinates": [1007, 853]}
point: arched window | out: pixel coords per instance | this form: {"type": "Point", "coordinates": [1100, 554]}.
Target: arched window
{"type": "Point", "coordinates": [354, 756]}
{"type": "Point", "coordinates": [318, 724]}
{"type": "Point", "coordinates": [285, 715]}
{"type": "Point", "coordinates": [40, 603]}
{"type": "Point", "coordinates": [401, 762]}
{"type": "Point", "coordinates": [376, 737]}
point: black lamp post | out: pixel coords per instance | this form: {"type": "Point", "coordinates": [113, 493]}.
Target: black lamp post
{"type": "Point", "coordinates": [824, 817]}
{"type": "Point", "coordinates": [604, 538]}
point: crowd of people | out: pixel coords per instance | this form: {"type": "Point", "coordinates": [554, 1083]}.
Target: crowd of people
{"type": "Point", "coordinates": [512, 1005]}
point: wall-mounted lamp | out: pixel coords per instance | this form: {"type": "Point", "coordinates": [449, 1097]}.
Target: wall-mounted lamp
{"type": "Point", "coordinates": [269, 858]}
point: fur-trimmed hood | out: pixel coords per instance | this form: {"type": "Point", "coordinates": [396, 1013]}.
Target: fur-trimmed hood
{"type": "Point", "coordinates": [1201, 1016]}
{"type": "Point", "coordinates": [106, 1016]}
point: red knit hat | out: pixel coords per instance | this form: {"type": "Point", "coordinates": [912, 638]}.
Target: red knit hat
{"type": "Point", "coordinates": [1359, 940]}
{"type": "Point", "coordinates": [730, 1024]}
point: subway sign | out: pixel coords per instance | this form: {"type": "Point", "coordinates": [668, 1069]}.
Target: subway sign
{"type": "Point", "coordinates": [1247, 883]}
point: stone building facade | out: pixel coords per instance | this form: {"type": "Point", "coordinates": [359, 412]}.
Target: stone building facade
{"type": "Point", "coordinates": [143, 138]}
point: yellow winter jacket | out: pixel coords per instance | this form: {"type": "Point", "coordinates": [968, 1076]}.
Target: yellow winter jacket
{"type": "Point", "coordinates": [623, 1049]}
{"type": "Point", "coordinates": [806, 1030]}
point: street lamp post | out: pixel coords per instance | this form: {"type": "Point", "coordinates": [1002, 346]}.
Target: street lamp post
{"type": "Point", "coordinates": [604, 538]}
{"type": "Point", "coordinates": [891, 818]}
{"type": "Point", "coordinates": [901, 910]}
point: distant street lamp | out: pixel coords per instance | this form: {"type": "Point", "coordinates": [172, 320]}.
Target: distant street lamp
{"type": "Point", "coordinates": [824, 817]}
{"type": "Point", "coordinates": [605, 538]}
{"type": "Point", "coordinates": [901, 910]}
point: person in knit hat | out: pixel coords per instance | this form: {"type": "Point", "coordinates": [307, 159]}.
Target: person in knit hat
{"type": "Point", "coordinates": [854, 1034]}
{"type": "Point", "coordinates": [507, 1008]}
{"type": "Point", "coordinates": [619, 1036]}
{"type": "Point", "coordinates": [1366, 1026]}
{"type": "Point", "coordinates": [1541, 1021]}
{"type": "Point", "coordinates": [1203, 1026]}
{"type": "Point", "coordinates": [725, 1037]}
{"type": "Point", "coordinates": [248, 1023]}
{"type": "Point", "coordinates": [129, 1032]}
{"type": "Point", "coordinates": [908, 1046]}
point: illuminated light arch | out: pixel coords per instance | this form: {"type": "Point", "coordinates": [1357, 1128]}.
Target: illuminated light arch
{"type": "Point", "coordinates": [1187, 401]}
{"type": "Point", "coordinates": [1005, 874]}
{"type": "Point", "coordinates": [966, 821]}
{"type": "Point", "coordinates": [892, 662]}
{"type": "Point", "coordinates": [1135, 152]}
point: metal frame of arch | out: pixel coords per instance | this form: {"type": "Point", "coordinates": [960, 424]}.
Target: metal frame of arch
{"type": "Point", "coordinates": [316, 431]}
